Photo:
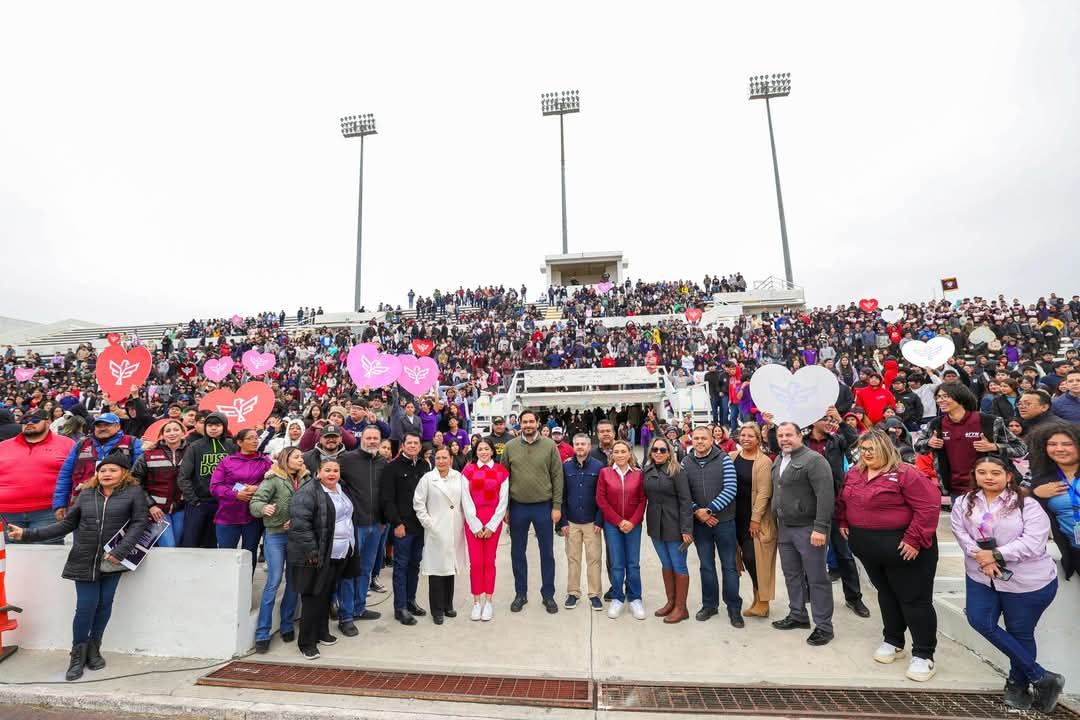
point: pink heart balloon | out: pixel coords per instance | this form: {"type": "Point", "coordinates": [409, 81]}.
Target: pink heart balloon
{"type": "Point", "coordinates": [418, 374]}
{"type": "Point", "coordinates": [258, 363]}
{"type": "Point", "coordinates": [24, 374]}
{"type": "Point", "coordinates": [216, 370]}
{"type": "Point", "coordinates": [237, 320]}
{"type": "Point", "coordinates": [371, 369]}
{"type": "Point", "coordinates": [604, 288]}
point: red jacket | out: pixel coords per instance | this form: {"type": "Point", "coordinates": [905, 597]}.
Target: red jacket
{"type": "Point", "coordinates": [621, 498]}
{"type": "Point", "coordinates": [28, 472]}
{"type": "Point", "coordinates": [874, 401]}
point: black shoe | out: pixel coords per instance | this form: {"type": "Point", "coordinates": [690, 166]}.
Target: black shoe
{"type": "Point", "coordinates": [377, 586]}
{"type": "Point", "coordinates": [78, 661]}
{"type": "Point", "coordinates": [415, 609]}
{"type": "Point", "coordinates": [519, 602]}
{"type": "Point", "coordinates": [368, 615]}
{"type": "Point", "coordinates": [1047, 690]}
{"type": "Point", "coordinates": [736, 618]}
{"type": "Point", "coordinates": [550, 605]}
{"type": "Point", "coordinates": [288, 636]}
{"type": "Point", "coordinates": [328, 640]}
{"type": "Point", "coordinates": [451, 613]}
{"type": "Point", "coordinates": [608, 596]}
{"type": "Point", "coordinates": [262, 646]}
{"type": "Point", "coordinates": [1017, 695]}
{"type": "Point", "coordinates": [790, 623]}
{"type": "Point", "coordinates": [348, 629]}
{"type": "Point", "coordinates": [858, 607]}
{"type": "Point", "coordinates": [819, 637]}
{"type": "Point", "coordinates": [705, 613]}
{"type": "Point", "coordinates": [437, 619]}
{"type": "Point", "coordinates": [404, 617]}
{"type": "Point", "coordinates": [94, 661]}
{"type": "Point", "coordinates": [310, 653]}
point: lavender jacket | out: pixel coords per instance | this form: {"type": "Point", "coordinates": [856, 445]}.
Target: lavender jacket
{"type": "Point", "coordinates": [234, 469]}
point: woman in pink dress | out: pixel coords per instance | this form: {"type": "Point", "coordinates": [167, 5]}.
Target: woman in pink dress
{"type": "Point", "coordinates": [484, 506]}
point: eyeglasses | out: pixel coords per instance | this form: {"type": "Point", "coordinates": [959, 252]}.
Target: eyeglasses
{"type": "Point", "coordinates": [866, 450]}
{"type": "Point", "coordinates": [659, 451]}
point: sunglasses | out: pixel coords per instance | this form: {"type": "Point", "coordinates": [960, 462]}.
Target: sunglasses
{"type": "Point", "coordinates": [660, 451]}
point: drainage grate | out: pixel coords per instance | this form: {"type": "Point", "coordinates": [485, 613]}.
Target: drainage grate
{"type": "Point", "coordinates": [813, 702]}
{"type": "Point", "coordinates": [552, 692]}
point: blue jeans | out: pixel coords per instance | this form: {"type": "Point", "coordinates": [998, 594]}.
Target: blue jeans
{"type": "Point", "coordinates": [733, 422]}
{"type": "Point", "coordinates": [718, 404]}
{"type": "Point", "coordinates": [32, 521]}
{"type": "Point", "coordinates": [380, 553]}
{"type": "Point", "coordinates": [407, 552]}
{"type": "Point", "coordinates": [93, 607]}
{"type": "Point", "coordinates": [352, 592]}
{"type": "Point", "coordinates": [671, 558]}
{"type": "Point", "coordinates": [721, 537]}
{"type": "Point", "coordinates": [274, 550]}
{"type": "Point", "coordinates": [247, 535]}
{"type": "Point", "coordinates": [985, 606]}
{"type": "Point", "coordinates": [172, 535]}
{"type": "Point", "coordinates": [624, 549]}
{"type": "Point", "coordinates": [538, 515]}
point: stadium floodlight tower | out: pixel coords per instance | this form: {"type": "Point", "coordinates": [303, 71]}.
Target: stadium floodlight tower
{"type": "Point", "coordinates": [358, 126]}
{"type": "Point", "coordinates": [563, 103]}
{"type": "Point", "coordinates": [763, 87]}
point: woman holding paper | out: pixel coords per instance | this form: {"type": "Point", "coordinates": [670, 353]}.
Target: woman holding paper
{"type": "Point", "coordinates": [234, 483]}
{"type": "Point", "coordinates": [111, 500]}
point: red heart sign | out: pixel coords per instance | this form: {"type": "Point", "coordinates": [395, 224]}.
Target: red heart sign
{"type": "Point", "coordinates": [422, 348]}
{"type": "Point", "coordinates": [868, 305]}
{"type": "Point", "coordinates": [188, 371]}
{"type": "Point", "coordinates": [113, 338]}
{"type": "Point", "coordinates": [251, 404]}
{"type": "Point", "coordinates": [650, 361]}
{"type": "Point", "coordinates": [118, 370]}
{"type": "Point", "coordinates": [151, 433]}
{"type": "Point", "coordinates": [693, 314]}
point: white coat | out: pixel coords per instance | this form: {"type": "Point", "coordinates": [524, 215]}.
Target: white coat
{"type": "Point", "coordinates": [437, 502]}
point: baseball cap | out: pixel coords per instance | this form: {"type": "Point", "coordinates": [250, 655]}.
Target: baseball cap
{"type": "Point", "coordinates": [950, 371]}
{"type": "Point", "coordinates": [36, 416]}
{"type": "Point", "coordinates": [109, 418]}
{"type": "Point", "coordinates": [497, 420]}
{"type": "Point", "coordinates": [331, 430]}
{"type": "Point", "coordinates": [556, 430]}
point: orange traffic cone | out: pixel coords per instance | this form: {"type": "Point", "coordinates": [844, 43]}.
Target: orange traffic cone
{"type": "Point", "coordinates": [6, 623]}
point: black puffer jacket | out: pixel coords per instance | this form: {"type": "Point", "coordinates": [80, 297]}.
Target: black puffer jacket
{"type": "Point", "coordinates": [94, 519]}
{"type": "Point", "coordinates": [311, 539]}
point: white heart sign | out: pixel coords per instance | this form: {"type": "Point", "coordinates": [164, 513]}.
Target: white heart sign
{"type": "Point", "coordinates": [982, 335]}
{"type": "Point", "coordinates": [801, 398]}
{"type": "Point", "coordinates": [891, 316]}
{"type": "Point", "coordinates": [932, 354]}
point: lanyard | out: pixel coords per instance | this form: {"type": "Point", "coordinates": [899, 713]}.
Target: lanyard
{"type": "Point", "coordinates": [1074, 493]}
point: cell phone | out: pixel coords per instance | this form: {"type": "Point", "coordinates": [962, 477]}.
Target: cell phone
{"type": "Point", "coordinates": [1006, 574]}
{"type": "Point", "coordinates": [683, 546]}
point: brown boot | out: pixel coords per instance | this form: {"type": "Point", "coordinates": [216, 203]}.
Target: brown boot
{"type": "Point", "coordinates": [669, 588]}
{"type": "Point", "coordinates": [682, 588]}
{"type": "Point", "coordinates": [760, 608]}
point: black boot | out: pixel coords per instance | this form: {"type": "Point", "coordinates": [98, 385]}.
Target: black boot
{"type": "Point", "coordinates": [78, 661]}
{"type": "Point", "coordinates": [94, 661]}
{"type": "Point", "coordinates": [1017, 695]}
{"type": "Point", "coordinates": [1047, 690]}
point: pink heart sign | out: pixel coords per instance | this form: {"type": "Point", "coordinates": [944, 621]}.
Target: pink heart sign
{"type": "Point", "coordinates": [371, 369]}
{"type": "Point", "coordinates": [216, 370]}
{"type": "Point", "coordinates": [113, 338]}
{"type": "Point", "coordinates": [258, 363]}
{"type": "Point", "coordinates": [868, 305]}
{"type": "Point", "coordinates": [422, 348]}
{"type": "Point", "coordinates": [250, 405]}
{"type": "Point", "coordinates": [418, 375]}
{"type": "Point", "coordinates": [693, 314]}
{"type": "Point", "coordinates": [604, 288]}
{"type": "Point", "coordinates": [24, 374]}
{"type": "Point", "coordinates": [117, 369]}
{"type": "Point", "coordinates": [237, 320]}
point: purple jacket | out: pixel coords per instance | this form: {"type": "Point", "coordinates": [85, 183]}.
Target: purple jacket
{"type": "Point", "coordinates": [234, 469]}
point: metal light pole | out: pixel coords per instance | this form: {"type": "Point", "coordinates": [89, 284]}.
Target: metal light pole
{"type": "Point", "coordinates": [763, 87]}
{"type": "Point", "coordinates": [358, 126]}
{"type": "Point", "coordinates": [561, 104]}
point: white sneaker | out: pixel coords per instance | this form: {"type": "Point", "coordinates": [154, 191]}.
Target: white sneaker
{"type": "Point", "coordinates": [637, 609]}
{"type": "Point", "coordinates": [477, 610]}
{"type": "Point", "coordinates": [920, 669]}
{"type": "Point", "coordinates": [887, 653]}
{"type": "Point", "coordinates": [487, 613]}
{"type": "Point", "coordinates": [615, 610]}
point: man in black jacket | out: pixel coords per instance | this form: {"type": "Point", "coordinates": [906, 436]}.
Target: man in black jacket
{"type": "Point", "coordinates": [361, 475]}
{"type": "Point", "coordinates": [398, 483]}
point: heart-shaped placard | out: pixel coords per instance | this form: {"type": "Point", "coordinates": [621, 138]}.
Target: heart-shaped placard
{"type": "Point", "coordinates": [218, 369]}
{"type": "Point", "coordinates": [117, 369]}
{"type": "Point", "coordinates": [981, 335]}
{"type": "Point", "coordinates": [891, 316]}
{"type": "Point", "coordinates": [868, 305]}
{"type": "Point", "coordinates": [113, 338]}
{"type": "Point", "coordinates": [604, 288]}
{"type": "Point", "coordinates": [258, 363]}
{"type": "Point", "coordinates": [418, 375]}
{"type": "Point", "coordinates": [422, 347]}
{"type": "Point", "coordinates": [187, 370]}
{"type": "Point", "coordinates": [801, 398]}
{"type": "Point", "coordinates": [371, 369]}
{"type": "Point", "coordinates": [693, 314]}
{"type": "Point", "coordinates": [237, 320]}
{"type": "Point", "coordinates": [150, 435]}
{"type": "Point", "coordinates": [932, 354]}
{"type": "Point", "coordinates": [651, 361]}
{"type": "Point", "coordinates": [251, 404]}
{"type": "Point", "coordinates": [24, 374]}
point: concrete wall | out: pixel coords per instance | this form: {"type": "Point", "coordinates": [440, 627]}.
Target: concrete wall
{"type": "Point", "coordinates": [180, 602]}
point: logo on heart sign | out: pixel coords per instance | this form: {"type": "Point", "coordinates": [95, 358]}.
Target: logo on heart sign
{"type": "Point", "coordinates": [604, 288]}
{"type": "Point", "coordinates": [258, 363]}
{"type": "Point", "coordinates": [370, 368]}
{"type": "Point", "coordinates": [187, 370]}
{"type": "Point", "coordinates": [981, 335]}
{"type": "Point", "coordinates": [118, 370]}
{"type": "Point", "coordinates": [251, 404]}
{"type": "Point", "coordinates": [422, 348]}
{"type": "Point", "coordinates": [891, 316]}
{"type": "Point", "coordinates": [651, 361]}
{"type": "Point", "coordinates": [418, 375]}
{"type": "Point", "coordinates": [868, 305]}
{"type": "Point", "coordinates": [693, 314]}
{"type": "Point", "coordinates": [801, 398]}
{"type": "Point", "coordinates": [237, 320]}
{"type": "Point", "coordinates": [113, 338]}
{"type": "Point", "coordinates": [218, 369]}
{"type": "Point", "coordinates": [24, 374]}
{"type": "Point", "coordinates": [932, 354]}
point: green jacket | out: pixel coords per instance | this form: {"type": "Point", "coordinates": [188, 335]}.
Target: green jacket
{"type": "Point", "coordinates": [276, 489]}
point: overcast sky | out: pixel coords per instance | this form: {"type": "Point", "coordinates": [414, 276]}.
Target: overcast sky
{"type": "Point", "coordinates": [159, 162]}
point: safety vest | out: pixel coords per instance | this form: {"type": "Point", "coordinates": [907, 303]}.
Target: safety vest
{"type": "Point", "coordinates": [86, 463]}
{"type": "Point", "coordinates": [161, 472]}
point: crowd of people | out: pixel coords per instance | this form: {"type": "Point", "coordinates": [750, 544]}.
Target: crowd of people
{"type": "Point", "coordinates": [339, 476]}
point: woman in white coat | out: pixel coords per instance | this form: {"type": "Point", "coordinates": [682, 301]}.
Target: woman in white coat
{"type": "Point", "coordinates": [437, 502]}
